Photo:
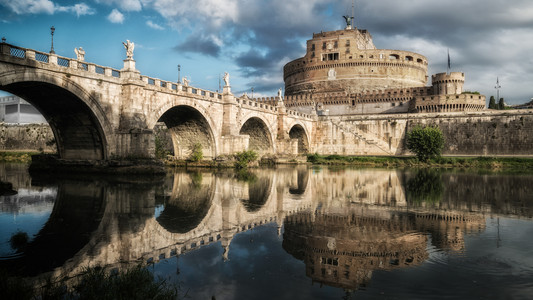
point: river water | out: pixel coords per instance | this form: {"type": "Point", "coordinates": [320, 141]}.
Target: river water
{"type": "Point", "coordinates": [285, 233]}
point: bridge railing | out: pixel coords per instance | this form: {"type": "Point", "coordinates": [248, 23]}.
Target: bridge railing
{"type": "Point", "coordinates": [53, 59]}
{"type": "Point", "coordinates": [269, 103]}
{"type": "Point", "coordinates": [180, 88]}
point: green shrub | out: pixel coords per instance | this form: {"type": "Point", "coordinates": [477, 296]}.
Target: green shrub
{"type": "Point", "coordinates": [244, 158]}
{"type": "Point", "coordinates": [426, 142]}
{"type": "Point", "coordinates": [197, 154]}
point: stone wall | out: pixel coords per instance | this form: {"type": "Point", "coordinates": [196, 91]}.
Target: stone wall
{"type": "Point", "coordinates": [474, 133]}
{"type": "Point", "coordinates": [28, 137]}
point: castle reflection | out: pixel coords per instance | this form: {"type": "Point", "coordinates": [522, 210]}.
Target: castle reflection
{"type": "Point", "coordinates": [343, 224]}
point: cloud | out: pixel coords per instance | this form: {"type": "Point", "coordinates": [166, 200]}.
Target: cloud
{"type": "Point", "coordinates": [125, 5]}
{"type": "Point", "coordinates": [29, 6]}
{"type": "Point", "coordinates": [154, 26]}
{"type": "Point", "coordinates": [200, 44]}
{"type": "Point", "coordinates": [115, 16]}
{"type": "Point", "coordinates": [79, 9]}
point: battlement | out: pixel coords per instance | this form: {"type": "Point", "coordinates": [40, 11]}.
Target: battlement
{"type": "Point", "coordinates": [445, 77]}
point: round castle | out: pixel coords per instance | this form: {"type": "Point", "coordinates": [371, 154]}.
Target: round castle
{"type": "Point", "coordinates": [347, 60]}
{"type": "Point", "coordinates": [343, 73]}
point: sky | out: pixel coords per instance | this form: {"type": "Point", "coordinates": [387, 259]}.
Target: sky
{"type": "Point", "coordinates": [252, 40]}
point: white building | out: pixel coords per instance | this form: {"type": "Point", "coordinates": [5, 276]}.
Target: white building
{"type": "Point", "coordinates": [15, 110]}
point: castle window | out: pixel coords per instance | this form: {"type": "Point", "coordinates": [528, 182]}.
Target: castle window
{"type": "Point", "coordinates": [347, 43]}
{"type": "Point", "coordinates": [409, 58]}
{"type": "Point", "coordinates": [312, 47]}
{"type": "Point", "coordinates": [381, 55]}
{"type": "Point", "coordinates": [394, 56]}
{"type": "Point", "coordinates": [330, 56]}
{"type": "Point", "coordinates": [335, 44]}
{"type": "Point", "coordinates": [419, 60]}
{"type": "Point", "coordinates": [371, 56]}
{"type": "Point", "coordinates": [324, 45]}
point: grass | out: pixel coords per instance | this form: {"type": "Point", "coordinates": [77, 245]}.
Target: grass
{"type": "Point", "coordinates": [15, 156]}
{"type": "Point", "coordinates": [492, 163]}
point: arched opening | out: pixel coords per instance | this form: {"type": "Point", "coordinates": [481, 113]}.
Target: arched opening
{"type": "Point", "coordinates": [188, 129]}
{"type": "Point", "coordinates": [302, 177]}
{"type": "Point", "coordinates": [260, 140]}
{"type": "Point", "coordinates": [297, 132]}
{"type": "Point", "coordinates": [77, 131]}
{"type": "Point", "coordinates": [189, 203]}
{"type": "Point", "coordinates": [258, 192]}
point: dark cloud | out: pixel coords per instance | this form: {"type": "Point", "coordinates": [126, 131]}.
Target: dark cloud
{"type": "Point", "coordinates": [487, 38]}
{"type": "Point", "coordinates": [202, 45]}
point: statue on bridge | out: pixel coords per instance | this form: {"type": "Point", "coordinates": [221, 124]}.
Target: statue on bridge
{"type": "Point", "coordinates": [185, 81]}
{"type": "Point", "coordinates": [80, 53]}
{"type": "Point", "coordinates": [226, 79]}
{"type": "Point", "coordinates": [129, 48]}
{"type": "Point", "coordinates": [279, 95]}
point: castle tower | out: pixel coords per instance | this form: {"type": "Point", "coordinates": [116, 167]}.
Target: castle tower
{"type": "Point", "coordinates": [346, 61]}
{"type": "Point", "coordinates": [446, 84]}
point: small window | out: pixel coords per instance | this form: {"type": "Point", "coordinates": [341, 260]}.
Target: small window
{"type": "Point", "coordinates": [313, 47]}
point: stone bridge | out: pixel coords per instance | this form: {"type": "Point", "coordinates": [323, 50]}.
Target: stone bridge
{"type": "Point", "coordinates": [100, 113]}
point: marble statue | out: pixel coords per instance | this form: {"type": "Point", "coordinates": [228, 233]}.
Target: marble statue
{"type": "Point", "coordinates": [226, 78]}
{"type": "Point", "coordinates": [80, 53]}
{"type": "Point", "coordinates": [185, 81]}
{"type": "Point", "coordinates": [129, 48]}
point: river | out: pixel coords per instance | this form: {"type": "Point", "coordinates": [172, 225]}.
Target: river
{"type": "Point", "coordinates": [293, 232]}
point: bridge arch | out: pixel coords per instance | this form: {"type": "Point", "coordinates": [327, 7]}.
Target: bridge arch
{"type": "Point", "coordinates": [298, 132]}
{"type": "Point", "coordinates": [80, 126]}
{"type": "Point", "coordinates": [189, 125]}
{"type": "Point", "coordinates": [190, 202]}
{"type": "Point", "coordinates": [261, 138]}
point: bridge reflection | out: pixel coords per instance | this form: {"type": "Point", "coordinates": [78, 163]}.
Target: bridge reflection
{"type": "Point", "coordinates": [343, 224]}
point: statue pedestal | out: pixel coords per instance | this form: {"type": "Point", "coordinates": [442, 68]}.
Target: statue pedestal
{"type": "Point", "coordinates": [129, 65]}
{"type": "Point", "coordinates": [226, 90]}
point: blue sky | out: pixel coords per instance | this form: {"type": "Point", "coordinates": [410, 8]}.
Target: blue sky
{"type": "Point", "coordinates": [252, 40]}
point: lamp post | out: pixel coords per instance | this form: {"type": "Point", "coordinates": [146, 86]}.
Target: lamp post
{"type": "Point", "coordinates": [179, 75]}
{"type": "Point", "coordinates": [498, 87]}
{"type": "Point", "coordinates": [252, 92]}
{"type": "Point", "coordinates": [52, 29]}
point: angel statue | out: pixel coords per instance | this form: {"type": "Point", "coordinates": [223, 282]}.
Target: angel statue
{"type": "Point", "coordinates": [226, 78]}
{"type": "Point", "coordinates": [129, 48]}
{"type": "Point", "coordinates": [279, 94]}
{"type": "Point", "coordinates": [80, 53]}
{"type": "Point", "coordinates": [348, 20]}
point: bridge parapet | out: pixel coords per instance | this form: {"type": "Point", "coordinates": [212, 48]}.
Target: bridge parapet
{"type": "Point", "coordinates": [53, 59]}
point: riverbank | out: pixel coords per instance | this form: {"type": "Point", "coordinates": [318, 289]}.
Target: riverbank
{"type": "Point", "coordinates": [480, 162]}
{"type": "Point", "coordinates": [17, 156]}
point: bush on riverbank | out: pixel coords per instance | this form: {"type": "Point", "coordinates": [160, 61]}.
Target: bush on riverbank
{"type": "Point", "coordinates": [426, 142]}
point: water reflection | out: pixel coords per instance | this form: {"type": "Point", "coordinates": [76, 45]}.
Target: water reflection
{"type": "Point", "coordinates": [344, 225]}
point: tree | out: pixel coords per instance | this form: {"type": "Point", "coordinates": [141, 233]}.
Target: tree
{"type": "Point", "coordinates": [492, 103]}
{"type": "Point", "coordinates": [426, 142]}
{"type": "Point", "coordinates": [501, 104]}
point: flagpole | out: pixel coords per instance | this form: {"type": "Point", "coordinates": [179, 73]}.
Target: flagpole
{"type": "Point", "coordinates": [449, 62]}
